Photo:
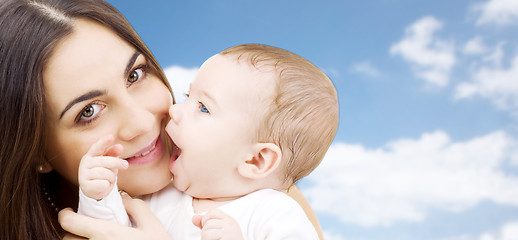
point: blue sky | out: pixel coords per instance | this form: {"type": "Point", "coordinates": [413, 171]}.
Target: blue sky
{"type": "Point", "coordinates": [427, 146]}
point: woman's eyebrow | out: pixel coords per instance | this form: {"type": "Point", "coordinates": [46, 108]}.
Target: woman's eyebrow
{"type": "Point", "coordinates": [97, 93]}
{"type": "Point", "coordinates": [131, 62]}
{"type": "Point", "coordinates": [84, 97]}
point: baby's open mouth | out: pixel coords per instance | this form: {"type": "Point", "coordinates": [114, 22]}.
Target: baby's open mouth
{"type": "Point", "coordinates": [176, 152]}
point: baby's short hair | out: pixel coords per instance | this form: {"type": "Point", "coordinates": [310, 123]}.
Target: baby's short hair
{"type": "Point", "coordinates": [303, 117]}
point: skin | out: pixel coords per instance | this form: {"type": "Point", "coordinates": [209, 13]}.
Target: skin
{"type": "Point", "coordinates": [99, 167]}
{"type": "Point", "coordinates": [215, 128]}
{"type": "Point", "coordinates": [219, 159]}
{"type": "Point", "coordinates": [132, 106]}
{"type": "Point", "coordinates": [135, 114]}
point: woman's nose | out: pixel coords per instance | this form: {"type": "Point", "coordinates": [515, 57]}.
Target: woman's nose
{"type": "Point", "coordinates": [135, 120]}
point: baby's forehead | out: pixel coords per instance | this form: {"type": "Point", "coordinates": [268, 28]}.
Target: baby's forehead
{"type": "Point", "coordinates": [228, 72]}
{"type": "Point", "coordinates": [264, 70]}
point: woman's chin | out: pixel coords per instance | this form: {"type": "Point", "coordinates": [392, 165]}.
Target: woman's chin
{"type": "Point", "coordinates": [143, 185]}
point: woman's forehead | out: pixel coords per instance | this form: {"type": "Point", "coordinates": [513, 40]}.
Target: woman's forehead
{"type": "Point", "coordinates": [91, 57]}
{"type": "Point", "coordinates": [89, 45]}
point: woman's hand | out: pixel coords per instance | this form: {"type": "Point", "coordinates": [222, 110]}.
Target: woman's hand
{"type": "Point", "coordinates": [148, 226]}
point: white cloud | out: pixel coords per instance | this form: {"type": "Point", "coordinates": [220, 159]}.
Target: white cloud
{"type": "Point", "coordinates": [494, 82]}
{"type": "Point", "coordinates": [333, 236]}
{"type": "Point", "coordinates": [365, 68]}
{"type": "Point", "coordinates": [475, 46]}
{"type": "Point", "coordinates": [179, 79]}
{"type": "Point", "coordinates": [496, 57]}
{"type": "Point", "coordinates": [432, 58]}
{"type": "Point", "coordinates": [409, 177]}
{"type": "Point", "coordinates": [461, 237]}
{"type": "Point", "coordinates": [508, 231]}
{"type": "Point", "coordinates": [499, 12]}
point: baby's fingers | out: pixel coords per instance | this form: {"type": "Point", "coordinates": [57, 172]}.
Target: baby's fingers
{"type": "Point", "coordinates": [97, 188]}
{"type": "Point", "coordinates": [101, 173]}
{"type": "Point", "coordinates": [112, 163]}
{"type": "Point", "coordinates": [114, 151]}
{"type": "Point", "coordinates": [102, 148]}
{"type": "Point", "coordinates": [196, 220]}
{"type": "Point", "coordinates": [212, 215]}
{"type": "Point", "coordinates": [218, 225]}
{"type": "Point", "coordinates": [210, 234]}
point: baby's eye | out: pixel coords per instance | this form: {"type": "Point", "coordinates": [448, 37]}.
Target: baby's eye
{"type": "Point", "coordinates": [203, 108]}
{"type": "Point", "coordinates": [135, 75]}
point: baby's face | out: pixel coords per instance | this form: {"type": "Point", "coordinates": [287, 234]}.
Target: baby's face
{"type": "Point", "coordinates": [216, 126]}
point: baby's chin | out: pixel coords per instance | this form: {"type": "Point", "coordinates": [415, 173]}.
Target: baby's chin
{"type": "Point", "coordinates": [177, 185]}
{"type": "Point", "coordinates": [183, 186]}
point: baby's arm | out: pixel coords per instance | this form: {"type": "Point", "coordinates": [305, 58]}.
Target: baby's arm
{"type": "Point", "coordinates": [97, 176]}
{"type": "Point", "coordinates": [217, 225]}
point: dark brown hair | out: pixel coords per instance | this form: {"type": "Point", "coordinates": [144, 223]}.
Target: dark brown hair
{"type": "Point", "coordinates": [302, 118]}
{"type": "Point", "coordinates": [29, 31]}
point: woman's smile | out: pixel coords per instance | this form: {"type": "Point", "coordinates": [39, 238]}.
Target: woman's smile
{"type": "Point", "coordinates": [149, 153]}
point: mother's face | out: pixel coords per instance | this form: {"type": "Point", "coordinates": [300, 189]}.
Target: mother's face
{"type": "Point", "coordinates": [97, 84]}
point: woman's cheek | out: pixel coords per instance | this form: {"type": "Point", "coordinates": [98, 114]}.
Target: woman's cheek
{"type": "Point", "coordinates": [166, 97]}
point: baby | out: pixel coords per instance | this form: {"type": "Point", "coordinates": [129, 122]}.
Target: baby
{"type": "Point", "coordinates": [257, 119]}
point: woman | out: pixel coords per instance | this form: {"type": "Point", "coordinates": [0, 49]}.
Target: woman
{"type": "Point", "coordinates": [46, 110]}
{"type": "Point", "coordinates": [70, 73]}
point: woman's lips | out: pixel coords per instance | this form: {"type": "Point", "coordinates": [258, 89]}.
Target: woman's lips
{"type": "Point", "coordinates": [148, 154]}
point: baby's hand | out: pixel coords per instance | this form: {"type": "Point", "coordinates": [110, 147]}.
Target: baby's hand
{"type": "Point", "coordinates": [217, 225]}
{"type": "Point", "coordinates": [99, 167]}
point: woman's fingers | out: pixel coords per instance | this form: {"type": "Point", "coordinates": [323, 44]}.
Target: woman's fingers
{"type": "Point", "coordinates": [143, 218]}
{"type": "Point", "coordinates": [149, 227]}
{"type": "Point", "coordinates": [92, 228]}
{"type": "Point", "coordinates": [139, 212]}
{"type": "Point", "coordinates": [77, 224]}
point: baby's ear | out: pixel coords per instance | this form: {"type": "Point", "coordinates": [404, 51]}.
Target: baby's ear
{"type": "Point", "coordinates": [265, 158]}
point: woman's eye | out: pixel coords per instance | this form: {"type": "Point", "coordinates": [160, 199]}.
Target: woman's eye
{"type": "Point", "coordinates": [135, 75]}
{"type": "Point", "coordinates": [203, 108]}
{"type": "Point", "coordinates": [89, 112]}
